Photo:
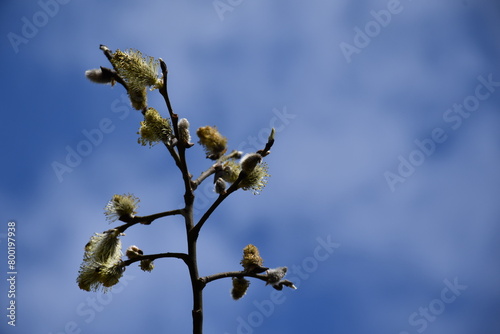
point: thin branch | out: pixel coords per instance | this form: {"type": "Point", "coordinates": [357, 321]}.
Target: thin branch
{"type": "Point", "coordinates": [146, 220]}
{"type": "Point", "coordinates": [107, 52]}
{"type": "Point", "coordinates": [215, 168]}
{"type": "Point", "coordinates": [211, 170]}
{"type": "Point", "coordinates": [207, 279]}
{"type": "Point", "coordinates": [164, 92]}
{"type": "Point", "coordinates": [266, 149]}
{"type": "Point", "coordinates": [174, 155]}
{"type": "Point", "coordinates": [114, 75]}
{"type": "Point", "coordinates": [186, 176]}
{"type": "Point", "coordinates": [269, 144]}
{"type": "Point", "coordinates": [180, 159]}
{"type": "Point", "coordinates": [196, 229]}
{"type": "Point", "coordinates": [182, 256]}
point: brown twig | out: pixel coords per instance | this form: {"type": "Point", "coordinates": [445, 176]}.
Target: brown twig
{"type": "Point", "coordinates": [211, 170]}
{"type": "Point", "coordinates": [235, 186]}
{"type": "Point", "coordinates": [207, 279]}
{"type": "Point", "coordinates": [180, 160]}
{"type": "Point", "coordinates": [182, 256]}
{"type": "Point", "coordinates": [146, 220]}
{"type": "Point", "coordinates": [164, 92]}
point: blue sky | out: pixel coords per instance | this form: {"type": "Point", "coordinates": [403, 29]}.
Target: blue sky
{"type": "Point", "coordinates": [383, 200]}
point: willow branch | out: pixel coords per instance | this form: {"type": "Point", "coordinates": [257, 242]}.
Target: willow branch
{"type": "Point", "coordinates": [182, 256]}
{"type": "Point", "coordinates": [235, 186]}
{"type": "Point", "coordinates": [196, 229]}
{"type": "Point", "coordinates": [174, 155]}
{"type": "Point", "coordinates": [191, 257]}
{"type": "Point", "coordinates": [180, 159]}
{"type": "Point", "coordinates": [186, 176]}
{"type": "Point", "coordinates": [107, 52]}
{"type": "Point", "coordinates": [207, 279]}
{"type": "Point", "coordinates": [164, 92]}
{"type": "Point", "coordinates": [211, 170]}
{"type": "Point", "coordinates": [146, 220]}
{"type": "Point", "coordinates": [269, 144]}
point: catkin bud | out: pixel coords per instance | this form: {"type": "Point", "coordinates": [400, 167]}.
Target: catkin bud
{"type": "Point", "coordinates": [138, 71]}
{"type": "Point", "coordinates": [275, 278]}
{"type": "Point", "coordinates": [101, 266]}
{"type": "Point", "coordinates": [276, 274]}
{"type": "Point", "coordinates": [133, 252]}
{"type": "Point", "coordinates": [214, 143]}
{"type": "Point", "coordinates": [220, 186]}
{"type": "Point", "coordinates": [121, 207]}
{"type": "Point", "coordinates": [100, 75]}
{"type": "Point", "coordinates": [234, 155]}
{"type": "Point", "coordinates": [104, 247]}
{"type": "Point", "coordinates": [256, 180]}
{"type": "Point", "coordinates": [147, 265]}
{"type": "Point", "coordinates": [250, 161]}
{"type": "Point", "coordinates": [110, 275]}
{"type": "Point", "coordinates": [240, 286]}
{"type": "Point", "coordinates": [154, 128]}
{"type": "Point", "coordinates": [231, 170]}
{"type": "Point", "coordinates": [184, 135]}
{"type": "Point", "coordinates": [252, 262]}
{"type": "Point", "coordinates": [138, 98]}
{"type": "Point", "coordinates": [271, 135]}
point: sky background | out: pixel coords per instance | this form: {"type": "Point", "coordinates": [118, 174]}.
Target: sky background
{"type": "Point", "coordinates": [416, 254]}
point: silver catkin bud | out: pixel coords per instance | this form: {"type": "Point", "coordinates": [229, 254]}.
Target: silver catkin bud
{"type": "Point", "coordinates": [184, 135]}
{"type": "Point", "coordinates": [100, 76]}
{"type": "Point", "coordinates": [220, 186]}
{"type": "Point", "coordinates": [250, 161]}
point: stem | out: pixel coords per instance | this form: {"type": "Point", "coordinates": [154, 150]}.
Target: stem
{"type": "Point", "coordinates": [197, 288]}
{"type": "Point", "coordinates": [174, 155]}
{"type": "Point", "coordinates": [180, 160]}
{"type": "Point", "coordinates": [197, 312]}
{"type": "Point", "coordinates": [203, 176]}
{"type": "Point", "coordinates": [164, 92]}
{"type": "Point", "coordinates": [207, 279]}
{"type": "Point", "coordinates": [182, 256]}
{"type": "Point", "coordinates": [146, 220]}
{"type": "Point", "coordinates": [196, 230]}
{"type": "Point", "coordinates": [193, 232]}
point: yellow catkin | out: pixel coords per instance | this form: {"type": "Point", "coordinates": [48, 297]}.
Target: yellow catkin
{"type": "Point", "coordinates": [214, 143]}
{"type": "Point", "coordinates": [251, 258]}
